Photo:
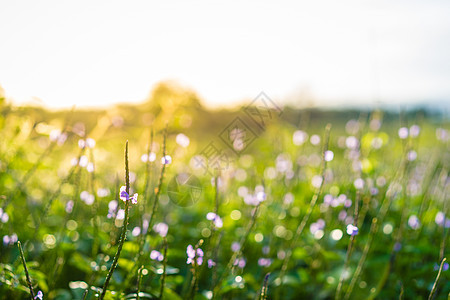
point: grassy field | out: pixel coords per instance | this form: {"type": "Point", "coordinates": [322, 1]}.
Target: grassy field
{"type": "Point", "coordinates": [243, 204]}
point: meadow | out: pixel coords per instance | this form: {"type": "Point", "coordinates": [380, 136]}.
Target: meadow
{"type": "Point", "coordinates": [170, 200]}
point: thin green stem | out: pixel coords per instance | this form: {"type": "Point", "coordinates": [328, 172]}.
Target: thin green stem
{"type": "Point", "coordinates": [22, 256]}
{"type": "Point", "coordinates": [139, 282]}
{"type": "Point", "coordinates": [123, 236]}
{"type": "Point", "coordinates": [433, 289]}
{"type": "Point", "coordinates": [264, 288]}
{"type": "Point", "coordinates": [163, 277]}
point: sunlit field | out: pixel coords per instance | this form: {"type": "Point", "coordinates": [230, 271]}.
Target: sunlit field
{"type": "Point", "coordinates": [170, 200]}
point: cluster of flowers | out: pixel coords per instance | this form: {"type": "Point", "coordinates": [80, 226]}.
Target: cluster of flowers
{"type": "Point", "coordinates": [10, 239]}
{"type": "Point", "coordinates": [87, 197]}
{"type": "Point", "coordinates": [57, 136]}
{"type": "Point", "coordinates": [253, 199]}
{"type": "Point", "coordinates": [215, 218]}
{"type": "Point", "coordinates": [194, 256]}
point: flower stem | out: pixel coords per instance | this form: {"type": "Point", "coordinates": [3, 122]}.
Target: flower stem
{"type": "Point", "coordinates": [123, 236]}
{"type": "Point", "coordinates": [433, 289]}
{"type": "Point", "coordinates": [139, 282]}
{"type": "Point", "coordinates": [163, 277]}
{"type": "Point", "coordinates": [22, 256]}
{"type": "Point", "coordinates": [263, 294]}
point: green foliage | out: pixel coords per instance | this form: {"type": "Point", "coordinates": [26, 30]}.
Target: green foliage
{"type": "Point", "coordinates": [69, 251]}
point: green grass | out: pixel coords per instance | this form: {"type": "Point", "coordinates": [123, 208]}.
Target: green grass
{"type": "Point", "coordinates": [68, 253]}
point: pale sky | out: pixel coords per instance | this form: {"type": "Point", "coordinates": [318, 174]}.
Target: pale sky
{"type": "Point", "coordinates": [93, 53]}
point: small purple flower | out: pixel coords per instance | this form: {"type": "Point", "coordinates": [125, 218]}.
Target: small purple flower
{"type": "Point", "coordinates": [39, 295]}
{"type": "Point", "coordinates": [156, 255]}
{"type": "Point", "coordinates": [136, 231]}
{"type": "Point", "coordinates": [352, 230]}
{"type": "Point", "coordinates": [240, 262]}
{"type": "Point", "coordinates": [397, 247]}
{"type": "Point", "coordinates": [235, 247]}
{"type": "Point", "coordinates": [440, 218]}
{"type": "Point", "coordinates": [161, 229]}
{"type": "Point", "coordinates": [166, 160]}
{"type": "Point", "coordinates": [215, 218]}
{"type": "Point", "coordinates": [125, 197]}
{"type": "Point", "coordinates": [69, 206]}
{"type": "Point", "coordinates": [211, 263]}
{"type": "Point", "coordinates": [192, 255]}
{"type": "Point", "coordinates": [414, 222]}
{"type": "Point", "coordinates": [264, 262]}
{"type": "Point", "coordinates": [112, 206]}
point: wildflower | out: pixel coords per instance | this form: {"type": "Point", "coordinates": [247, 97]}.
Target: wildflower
{"type": "Point", "coordinates": [39, 295]}
{"type": "Point", "coordinates": [414, 222]}
{"type": "Point", "coordinates": [156, 255]}
{"type": "Point", "coordinates": [136, 231]}
{"type": "Point", "coordinates": [288, 198]}
{"type": "Point", "coordinates": [102, 192]}
{"type": "Point", "coordinates": [412, 155]}
{"type": "Point", "coordinates": [351, 142]}
{"type": "Point", "coordinates": [10, 240]}
{"type": "Point", "coordinates": [414, 130]}
{"type": "Point", "coordinates": [240, 262]}
{"type": "Point", "coordinates": [81, 144]}
{"type": "Point", "coordinates": [121, 214]}
{"type": "Point", "coordinates": [90, 143]}
{"type": "Point", "coordinates": [146, 157]}
{"type": "Point", "coordinates": [125, 197]}
{"type": "Point", "coordinates": [328, 155]}
{"type": "Point", "coordinates": [112, 206]}
{"type": "Point", "coordinates": [74, 161]}
{"type": "Point", "coordinates": [211, 263]}
{"type": "Point", "coordinates": [166, 160]}
{"type": "Point", "coordinates": [69, 206]}
{"type": "Point", "coordinates": [315, 139]}
{"type": "Point", "coordinates": [352, 230]}
{"type": "Point", "coordinates": [299, 137]}
{"type": "Point", "coordinates": [90, 167]}
{"type": "Point", "coordinates": [182, 140]}
{"type": "Point", "coordinates": [403, 133]}
{"type": "Point", "coordinates": [193, 254]}
{"type": "Point", "coordinates": [215, 218]}
{"type": "Point", "coordinates": [87, 198]}
{"type": "Point", "coordinates": [235, 247]}
{"type": "Point", "coordinates": [161, 229]}
{"type": "Point", "coordinates": [358, 183]}
{"type": "Point", "coordinates": [3, 216]}
{"type": "Point", "coordinates": [316, 181]}
{"type": "Point", "coordinates": [264, 262]}
{"type": "Point", "coordinates": [261, 196]}
{"type": "Point", "coordinates": [83, 161]}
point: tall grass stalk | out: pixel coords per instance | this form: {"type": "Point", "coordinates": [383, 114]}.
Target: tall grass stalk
{"type": "Point", "coordinates": [349, 250]}
{"type": "Point", "coordinates": [159, 188]}
{"type": "Point", "coordinates": [139, 282]}
{"type": "Point", "coordinates": [353, 237]}
{"type": "Point", "coordinates": [436, 281]}
{"type": "Point", "coordinates": [264, 288]}
{"type": "Point", "coordinates": [27, 275]}
{"type": "Point", "coordinates": [305, 219]}
{"type": "Point", "coordinates": [163, 277]}
{"type": "Point", "coordinates": [124, 227]}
